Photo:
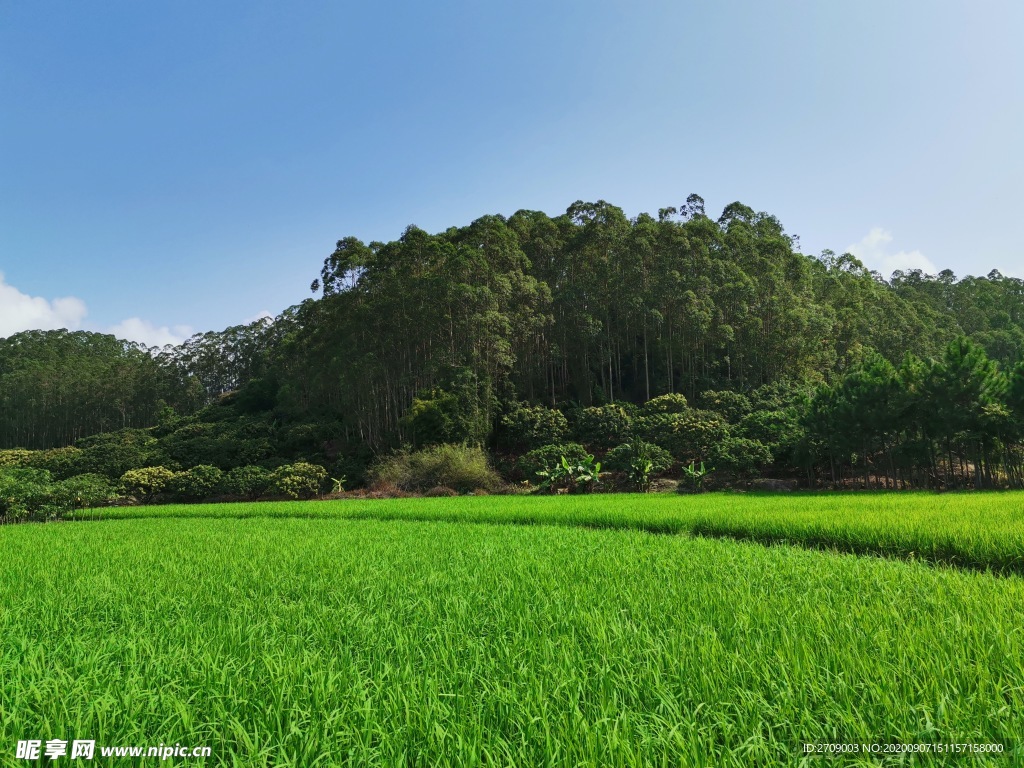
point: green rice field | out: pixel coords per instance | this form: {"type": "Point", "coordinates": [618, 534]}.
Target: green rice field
{"type": "Point", "coordinates": [982, 531]}
{"type": "Point", "coordinates": [429, 632]}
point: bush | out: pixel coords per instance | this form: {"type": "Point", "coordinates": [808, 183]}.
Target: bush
{"type": "Point", "coordinates": [31, 494]}
{"type": "Point", "coordinates": [16, 458]}
{"type": "Point", "coordinates": [602, 426]}
{"type": "Point", "coordinates": [732, 406]}
{"type": "Point", "coordinates": [545, 457]}
{"type": "Point", "coordinates": [113, 453]}
{"type": "Point", "coordinates": [26, 494]}
{"type": "Point", "coordinates": [300, 480]}
{"type": "Point", "coordinates": [84, 492]}
{"type": "Point", "coordinates": [197, 483]}
{"type": "Point", "coordinates": [145, 483]}
{"type": "Point", "coordinates": [526, 427]}
{"type": "Point", "coordinates": [218, 443]}
{"type": "Point", "coordinates": [248, 482]}
{"type": "Point", "coordinates": [353, 464]}
{"type": "Point", "coordinates": [777, 396]}
{"type": "Point", "coordinates": [740, 456]}
{"type": "Point", "coordinates": [452, 413]}
{"type": "Point", "coordinates": [673, 403]}
{"type": "Point", "coordinates": [61, 463]}
{"type": "Point", "coordinates": [780, 431]}
{"type": "Point", "coordinates": [639, 460]}
{"type": "Point", "coordinates": [461, 467]}
{"type": "Point", "coordinates": [687, 436]}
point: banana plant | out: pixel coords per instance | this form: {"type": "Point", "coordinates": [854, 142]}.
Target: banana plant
{"type": "Point", "coordinates": [695, 476]}
{"type": "Point", "coordinates": [579, 476]}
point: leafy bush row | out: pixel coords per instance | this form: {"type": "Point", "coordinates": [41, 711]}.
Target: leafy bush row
{"type": "Point", "coordinates": [33, 494]}
{"type": "Point", "coordinates": [301, 480]}
{"type": "Point", "coordinates": [28, 493]}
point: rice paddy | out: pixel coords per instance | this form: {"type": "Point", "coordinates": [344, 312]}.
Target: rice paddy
{"type": "Point", "coordinates": [983, 531]}
{"type": "Point", "coordinates": [295, 635]}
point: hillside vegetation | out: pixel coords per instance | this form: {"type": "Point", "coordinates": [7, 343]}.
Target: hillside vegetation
{"type": "Point", "coordinates": [673, 339]}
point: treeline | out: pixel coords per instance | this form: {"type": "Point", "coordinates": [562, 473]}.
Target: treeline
{"type": "Point", "coordinates": [955, 422]}
{"type": "Point", "coordinates": [780, 363]}
{"type": "Point", "coordinates": [56, 387]}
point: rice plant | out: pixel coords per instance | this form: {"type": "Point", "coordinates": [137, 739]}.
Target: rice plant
{"type": "Point", "coordinates": [318, 642]}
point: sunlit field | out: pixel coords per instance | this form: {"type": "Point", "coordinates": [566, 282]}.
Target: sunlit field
{"type": "Point", "coordinates": [969, 530]}
{"type": "Point", "coordinates": [279, 639]}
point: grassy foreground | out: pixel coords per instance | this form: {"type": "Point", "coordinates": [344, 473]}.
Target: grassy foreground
{"type": "Point", "coordinates": [314, 642]}
{"type": "Point", "coordinates": [982, 531]}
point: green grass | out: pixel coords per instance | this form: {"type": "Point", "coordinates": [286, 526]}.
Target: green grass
{"type": "Point", "coordinates": [314, 642]}
{"type": "Point", "coordinates": [971, 530]}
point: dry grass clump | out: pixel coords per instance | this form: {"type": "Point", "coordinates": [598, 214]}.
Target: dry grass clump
{"type": "Point", "coordinates": [462, 468]}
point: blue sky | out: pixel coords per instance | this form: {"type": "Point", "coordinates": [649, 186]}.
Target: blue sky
{"type": "Point", "coordinates": [175, 167]}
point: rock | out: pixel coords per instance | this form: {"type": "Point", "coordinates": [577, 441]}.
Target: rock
{"type": "Point", "coordinates": [664, 485]}
{"type": "Point", "coordinates": [770, 484]}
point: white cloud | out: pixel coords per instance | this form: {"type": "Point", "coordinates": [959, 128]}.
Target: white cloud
{"type": "Point", "coordinates": [258, 316]}
{"type": "Point", "coordinates": [873, 250]}
{"type": "Point", "coordinates": [137, 329]}
{"type": "Point", "coordinates": [21, 312]}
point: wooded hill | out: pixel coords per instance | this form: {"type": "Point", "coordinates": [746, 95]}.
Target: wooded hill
{"type": "Point", "coordinates": [520, 332]}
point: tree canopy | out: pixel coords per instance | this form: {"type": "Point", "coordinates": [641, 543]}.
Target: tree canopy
{"type": "Point", "coordinates": [812, 365]}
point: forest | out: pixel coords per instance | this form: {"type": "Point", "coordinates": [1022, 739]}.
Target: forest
{"type": "Point", "coordinates": [711, 350]}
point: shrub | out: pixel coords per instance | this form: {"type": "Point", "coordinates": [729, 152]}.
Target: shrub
{"type": "Point", "coordinates": [26, 494]}
{"type": "Point", "coordinates": [620, 457]}
{"type": "Point", "coordinates": [687, 436]}
{"type": "Point", "coordinates": [300, 480]}
{"type": "Point", "coordinates": [526, 427]}
{"type": "Point", "coordinates": [602, 426]}
{"type": "Point", "coordinates": [145, 483]}
{"type": "Point", "coordinates": [740, 456]}
{"type": "Point", "coordinates": [672, 403]}
{"type": "Point", "coordinates": [61, 463]}
{"type": "Point", "coordinates": [452, 413]}
{"type": "Point", "coordinates": [198, 483]}
{"type": "Point", "coordinates": [545, 457]}
{"type": "Point", "coordinates": [461, 467]}
{"type": "Point", "coordinates": [114, 453]}
{"type": "Point", "coordinates": [17, 458]}
{"type": "Point", "coordinates": [732, 406]}
{"type": "Point", "coordinates": [780, 431]}
{"type": "Point", "coordinates": [84, 492]}
{"type": "Point", "coordinates": [248, 482]}
{"type": "Point", "coordinates": [219, 443]}
{"type": "Point", "coordinates": [639, 460]}
{"type": "Point", "coordinates": [777, 396]}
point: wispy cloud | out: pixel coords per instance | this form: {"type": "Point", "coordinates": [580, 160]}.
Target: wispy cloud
{"type": "Point", "coordinates": [137, 329]}
{"type": "Point", "coordinates": [874, 251]}
{"type": "Point", "coordinates": [21, 312]}
{"type": "Point", "coordinates": [258, 316]}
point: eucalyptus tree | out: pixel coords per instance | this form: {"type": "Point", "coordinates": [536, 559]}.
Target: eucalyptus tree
{"type": "Point", "coordinates": [57, 386]}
